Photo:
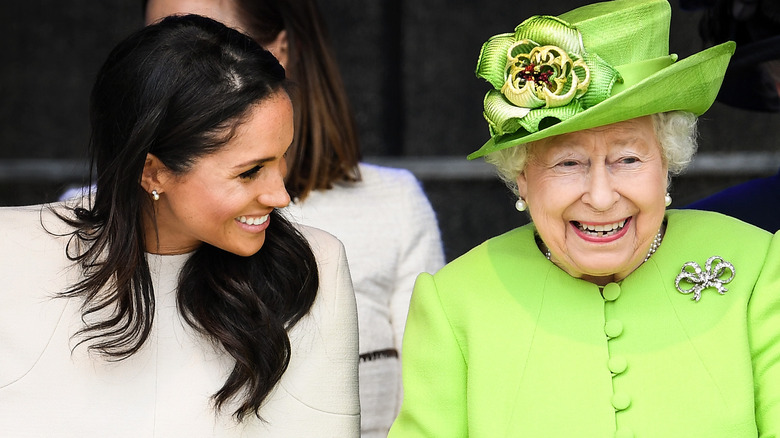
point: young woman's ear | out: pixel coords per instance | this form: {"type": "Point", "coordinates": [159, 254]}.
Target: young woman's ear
{"type": "Point", "coordinates": [155, 174]}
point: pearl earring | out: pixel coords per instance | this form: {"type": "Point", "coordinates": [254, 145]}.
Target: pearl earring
{"type": "Point", "coordinates": [155, 195]}
{"type": "Point", "coordinates": [521, 205]}
{"type": "Point", "coordinates": [668, 199]}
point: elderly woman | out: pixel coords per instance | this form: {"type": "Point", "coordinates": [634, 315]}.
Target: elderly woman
{"type": "Point", "coordinates": [607, 315]}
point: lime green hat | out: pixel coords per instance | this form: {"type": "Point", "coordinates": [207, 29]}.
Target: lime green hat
{"type": "Point", "coordinates": [598, 64]}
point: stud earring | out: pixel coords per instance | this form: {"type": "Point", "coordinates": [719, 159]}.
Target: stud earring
{"type": "Point", "coordinates": [521, 205]}
{"type": "Point", "coordinates": [155, 195]}
{"type": "Point", "coordinates": [668, 199]}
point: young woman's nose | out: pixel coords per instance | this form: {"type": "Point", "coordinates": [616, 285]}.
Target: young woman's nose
{"type": "Point", "coordinates": [274, 193]}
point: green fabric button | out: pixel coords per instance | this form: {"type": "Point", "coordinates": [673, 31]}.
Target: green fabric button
{"type": "Point", "coordinates": [621, 401]}
{"type": "Point", "coordinates": [613, 328]}
{"type": "Point", "coordinates": [617, 364]}
{"type": "Point", "coordinates": [611, 292]}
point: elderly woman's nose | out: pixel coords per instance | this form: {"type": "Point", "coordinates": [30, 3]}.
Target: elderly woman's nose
{"type": "Point", "coordinates": [599, 191]}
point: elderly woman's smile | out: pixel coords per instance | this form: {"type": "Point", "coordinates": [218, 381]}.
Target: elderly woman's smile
{"type": "Point", "coordinates": [601, 232]}
{"type": "Point", "coordinates": [597, 197]}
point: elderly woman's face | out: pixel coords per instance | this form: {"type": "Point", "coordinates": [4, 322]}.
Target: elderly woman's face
{"type": "Point", "coordinates": [596, 197]}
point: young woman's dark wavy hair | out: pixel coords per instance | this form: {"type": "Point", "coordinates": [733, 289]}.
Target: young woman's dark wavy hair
{"type": "Point", "coordinates": [178, 89]}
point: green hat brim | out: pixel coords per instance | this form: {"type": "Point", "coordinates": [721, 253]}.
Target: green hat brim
{"type": "Point", "coordinates": [690, 84]}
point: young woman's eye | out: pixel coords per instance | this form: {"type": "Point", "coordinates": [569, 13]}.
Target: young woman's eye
{"type": "Point", "coordinates": [251, 173]}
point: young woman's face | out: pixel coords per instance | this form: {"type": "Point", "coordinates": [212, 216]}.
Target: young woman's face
{"type": "Point", "coordinates": [597, 197]}
{"type": "Point", "coordinates": [226, 198]}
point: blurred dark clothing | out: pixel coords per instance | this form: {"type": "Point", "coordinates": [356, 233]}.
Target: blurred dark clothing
{"type": "Point", "coordinates": [756, 202]}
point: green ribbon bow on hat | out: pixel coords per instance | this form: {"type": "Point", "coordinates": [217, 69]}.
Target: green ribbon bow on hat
{"type": "Point", "coordinates": [540, 71]}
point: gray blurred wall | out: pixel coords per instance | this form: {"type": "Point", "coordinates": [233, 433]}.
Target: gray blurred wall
{"type": "Point", "coordinates": [408, 65]}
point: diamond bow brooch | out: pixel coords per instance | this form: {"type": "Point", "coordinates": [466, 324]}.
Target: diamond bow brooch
{"type": "Point", "coordinates": [698, 279]}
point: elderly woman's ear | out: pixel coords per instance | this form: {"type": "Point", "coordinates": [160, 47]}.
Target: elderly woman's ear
{"type": "Point", "coordinates": [522, 185]}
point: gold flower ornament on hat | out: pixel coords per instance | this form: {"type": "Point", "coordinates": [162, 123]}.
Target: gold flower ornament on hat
{"type": "Point", "coordinates": [543, 76]}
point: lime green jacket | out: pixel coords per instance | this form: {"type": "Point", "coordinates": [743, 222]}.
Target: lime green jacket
{"type": "Point", "coordinates": [502, 343]}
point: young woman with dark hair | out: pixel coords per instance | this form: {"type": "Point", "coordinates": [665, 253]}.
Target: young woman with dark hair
{"type": "Point", "coordinates": [176, 300]}
{"type": "Point", "coordinates": [381, 215]}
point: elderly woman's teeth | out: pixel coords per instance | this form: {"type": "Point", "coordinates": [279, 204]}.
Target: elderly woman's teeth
{"type": "Point", "coordinates": [601, 230]}
{"type": "Point", "coordinates": [253, 221]}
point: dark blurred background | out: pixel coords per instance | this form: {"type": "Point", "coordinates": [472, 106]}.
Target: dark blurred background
{"type": "Point", "coordinates": [408, 66]}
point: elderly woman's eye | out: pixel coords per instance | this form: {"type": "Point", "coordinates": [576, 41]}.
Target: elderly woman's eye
{"type": "Point", "coordinates": [629, 160]}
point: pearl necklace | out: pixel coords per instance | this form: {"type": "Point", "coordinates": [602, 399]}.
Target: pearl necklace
{"type": "Point", "coordinates": [653, 246]}
{"type": "Point", "coordinates": [656, 243]}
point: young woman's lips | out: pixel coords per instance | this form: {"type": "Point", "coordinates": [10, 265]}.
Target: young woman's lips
{"type": "Point", "coordinates": [253, 224]}
{"type": "Point", "coordinates": [601, 232]}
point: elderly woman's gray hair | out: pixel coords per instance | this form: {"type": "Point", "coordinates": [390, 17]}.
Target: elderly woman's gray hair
{"type": "Point", "coordinates": [676, 132]}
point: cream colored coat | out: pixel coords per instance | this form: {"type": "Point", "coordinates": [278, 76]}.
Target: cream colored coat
{"type": "Point", "coordinates": [47, 390]}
